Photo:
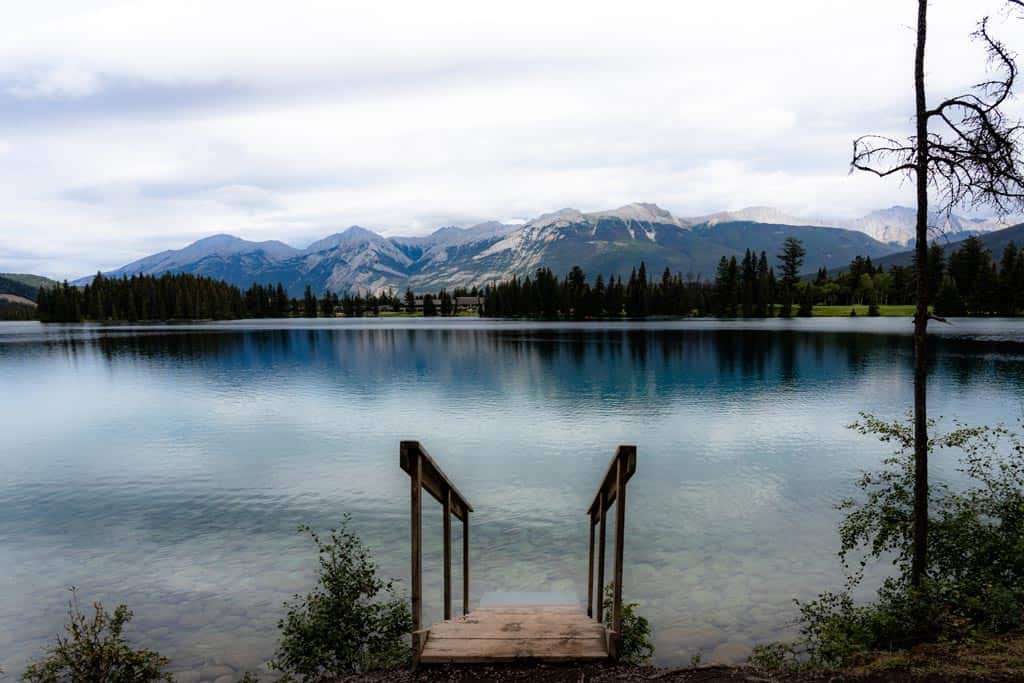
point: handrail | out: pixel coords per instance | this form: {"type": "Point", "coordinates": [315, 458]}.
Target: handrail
{"type": "Point", "coordinates": [611, 490]}
{"type": "Point", "coordinates": [424, 473]}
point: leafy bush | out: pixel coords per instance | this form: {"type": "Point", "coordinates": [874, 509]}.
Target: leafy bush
{"type": "Point", "coordinates": [975, 580]}
{"type": "Point", "coordinates": [635, 645]}
{"type": "Point", "coordinates": [350, 622]}
{"type": "Point", "coordinates": [95, 650]}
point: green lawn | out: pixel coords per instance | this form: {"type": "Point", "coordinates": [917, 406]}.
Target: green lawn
{"type": "Point", "coordinates": [840, 311]}
{"type": "Point", "coordinates": [406, 314]}
{"type": "Point", "coordinates": [819, 312]}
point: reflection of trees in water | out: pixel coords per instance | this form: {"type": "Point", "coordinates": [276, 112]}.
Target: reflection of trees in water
{"type": "Point", "coordinates": [560, 361]}
{"type": "Point", "coordinates": [968, 362]}
{"type": "Point", "coordinates": [178, 346]}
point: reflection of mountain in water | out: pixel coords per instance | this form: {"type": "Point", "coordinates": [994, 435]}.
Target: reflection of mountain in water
{"type": "Point", "coordinates": [578, 365]}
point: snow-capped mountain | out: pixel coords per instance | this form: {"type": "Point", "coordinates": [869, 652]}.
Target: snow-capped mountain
{"type": "Point", "coordinates": [643, 213]}
{"type": "Point", "coordinates": [898, 225]}
{"type": "Point", "coordinates": [758, 214]}
{"type": "Point", "coordinates": [895, 225]}
{"type": "Point", "coordinates": [609, 242]}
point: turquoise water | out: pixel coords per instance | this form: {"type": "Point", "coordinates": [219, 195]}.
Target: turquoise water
{"type": "Point", "coordinates": [168, 466]}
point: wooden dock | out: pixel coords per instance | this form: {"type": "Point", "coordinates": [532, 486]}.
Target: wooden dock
{"type": "Point", "coordinates": [508, 633]}
{"type": "Point", "coordinates": [505, 634]}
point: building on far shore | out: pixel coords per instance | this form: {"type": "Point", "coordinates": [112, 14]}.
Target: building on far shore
{"type": "Point", "coordinates": [468, 303]}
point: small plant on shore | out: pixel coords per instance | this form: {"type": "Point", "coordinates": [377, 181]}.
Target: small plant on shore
{"type": "Point", "coordinates": [635, 644]}
{"type": "Point", "coordinates": [975, 581]}
{"type": "Point", "coordinates": [94, 649]}
{"type": "Point", "coordinates": [351, 622]}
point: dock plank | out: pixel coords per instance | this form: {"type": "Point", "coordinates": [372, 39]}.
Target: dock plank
{"type": "Point", "coordinates": [506, 634]}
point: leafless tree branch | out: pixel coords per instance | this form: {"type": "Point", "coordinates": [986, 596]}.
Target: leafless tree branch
{"type": "Point", "coordinates": [974, 151]}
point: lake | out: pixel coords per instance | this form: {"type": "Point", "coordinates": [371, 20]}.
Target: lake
{"type": "Point", "coordinates": [167, 467]}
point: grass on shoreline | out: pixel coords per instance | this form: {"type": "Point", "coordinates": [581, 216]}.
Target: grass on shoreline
{"type": "Point", "coordinates": [406, 314]}
{"type": "Point", "coordinates": [820, 311]}
{"type": "Point", "coordinates": [886, 311]}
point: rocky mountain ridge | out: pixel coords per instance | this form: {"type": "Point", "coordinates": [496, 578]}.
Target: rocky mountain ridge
{"type": "Point", "coordinates": [609, 242]}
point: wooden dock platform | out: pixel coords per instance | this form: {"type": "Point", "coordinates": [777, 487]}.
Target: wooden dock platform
{"type": "Point", "coordinates": [505, 634]}
{"type": "Point", "coordinates": [544, 632]}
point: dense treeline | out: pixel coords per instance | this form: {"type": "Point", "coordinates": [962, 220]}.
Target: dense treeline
{"type": "Point", "coordinates": [142, 297]}
{"type": "Point", "coordinates": [748, 287]}
{"type": "Point", "coordinates": [191, 297]}
{"type": "Point", "coordinates": [13, 310]}
{"type": "Point", "coordinates": [574, 298]}
{"type": "Point", "coordinates": [968, 282]}
{"type": "Point", "coordinates": [971, 282]}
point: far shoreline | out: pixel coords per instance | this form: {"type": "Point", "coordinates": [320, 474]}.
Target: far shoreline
{"type": "Point", "coordinates": [820, 311]}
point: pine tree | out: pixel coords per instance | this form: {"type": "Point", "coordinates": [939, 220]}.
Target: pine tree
{"type": "Point", "coordinates": [948, 300]}
{"type": "Point", "coordinates": [308, 303]}
{"type": "Point", "coordinates": [763, 293]}
{"type": "Point", "coordinates": [748, 283]}
{"type": "Point", "coordinates": [1011, 278]}
{"type": "Point", "coordinates": [792, 259]}
{"type": "Point", "coordinates": [429, 309]}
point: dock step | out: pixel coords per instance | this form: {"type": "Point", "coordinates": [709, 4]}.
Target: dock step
{"type": "Point", "coordinates": [505, 634]}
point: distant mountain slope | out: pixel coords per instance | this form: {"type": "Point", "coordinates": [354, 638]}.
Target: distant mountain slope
{"type": "Point", "coordinates": [15, 299]}
{"type": "Point", "coordinates": [826, 247]}
{"type": "Point", "coordinates": [995, 241]}
{"type": "Point", "coordinates": [22, 285]}
{"type": "Point", "coordinates": [758, 214]}
{"type": "Point", "coordinates": [898, 225]}
{"type": "Point", "coordinates": [603, 242]}
{"type": "Point", "coordinates": [894, 225]}
{"type": "Point", "coordinates": [210, 252]}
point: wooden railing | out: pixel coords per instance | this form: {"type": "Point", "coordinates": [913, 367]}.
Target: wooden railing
{"type": "Point", "coordinates": [612, 490]}
{"type": "Point", "coordinates": [424, 473]}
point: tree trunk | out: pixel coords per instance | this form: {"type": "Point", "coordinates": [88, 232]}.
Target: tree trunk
{"type": "Point", "coordinates": [919, 562]}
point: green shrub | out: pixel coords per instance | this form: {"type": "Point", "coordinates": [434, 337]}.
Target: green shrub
{"type": "Point", "coordinates": [975, 580]}
{"type": "Point", "coordinates": [635, 645]}
{"type": "Point", "coordinates": [350, 622]}
{"type": "Point", "coordinates": [94, 649]}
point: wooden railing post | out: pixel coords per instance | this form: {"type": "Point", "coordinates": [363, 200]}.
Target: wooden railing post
{"type": "Point", "coordinates": [465, 564]}
{"type": "Point", "coordinates": [612, 490]}
{"type": "Point", "coordinates": [425, 475]}
{"type": "Point", "coordinates": [600, 558]}
{"type": "Point", "coordinates": [620, 537]}
{"type": "Point", "coordinates": [448, 554]}
{"type": "Point", "coordinates": [590, 569]}
{"type": "Point", "coordinates": [416, 578]}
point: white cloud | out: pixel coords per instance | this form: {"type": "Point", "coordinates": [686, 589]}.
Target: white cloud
{"type": "Point", "coordinates": [60, 81]}
{"type": "Point", "coordinates": [136, 126]}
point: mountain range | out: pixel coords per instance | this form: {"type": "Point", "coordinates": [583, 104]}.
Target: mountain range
{"type": "Point", "coordinates": [607, 242]}
{"type": "Point", "coordinates": [23, 286]}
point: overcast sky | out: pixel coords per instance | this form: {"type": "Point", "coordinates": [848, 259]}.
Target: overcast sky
{"type": "Point", "coordinates": [127, 128]}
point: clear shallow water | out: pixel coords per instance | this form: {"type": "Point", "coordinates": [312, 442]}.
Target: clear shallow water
{"type": "Point", "coordinates": [168, 466]}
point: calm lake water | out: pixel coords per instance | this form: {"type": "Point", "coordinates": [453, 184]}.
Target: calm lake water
{"type": "Point", "coordinates": [167, 467]}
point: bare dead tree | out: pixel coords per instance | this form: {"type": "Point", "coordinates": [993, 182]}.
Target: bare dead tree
{"type": "Point", "coordinates": [966, 153]}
